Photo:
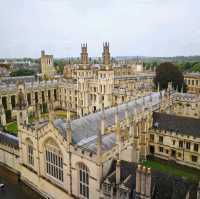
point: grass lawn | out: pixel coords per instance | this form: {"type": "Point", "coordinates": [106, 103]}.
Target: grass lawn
{"type": "Point", "coordinates": [172, 169]}
{"type": "Point", "coordinates": [59, 114]}
{"type": "Point", "coordinates": [12, 127]}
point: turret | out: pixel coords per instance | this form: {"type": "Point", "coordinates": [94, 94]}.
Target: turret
{"type": "Point", "coordinates": [84, 54]}
{"type": "Point", "coordinates": [106, 56]}
{"type": "Point", "coordinates": [21, 105]}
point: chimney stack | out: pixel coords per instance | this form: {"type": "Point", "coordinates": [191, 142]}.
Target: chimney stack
{"type": "Point", "coordinates": [143, 182]}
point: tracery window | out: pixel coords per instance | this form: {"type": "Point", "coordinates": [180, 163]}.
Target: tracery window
{"type": "Point", "coordinates": [83, 181]}
{"type": "Point", "coordinates": [54, 162]}
{"type": "Point", "coordinates": [30, 155]}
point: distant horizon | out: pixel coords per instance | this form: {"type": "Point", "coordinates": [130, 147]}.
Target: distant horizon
{"type": "Point", "coordinates": [152, 28]}
{"type": "Point", "coordinates": [118, 56]}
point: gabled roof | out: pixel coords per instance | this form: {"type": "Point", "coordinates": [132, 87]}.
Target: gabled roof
{"type": "Point", "coordinates": [87, 127]}
{"type": "Point", "coordinates": [163, 186]}
{"type": "Point", "coordinates": [182, 125]}
{"type": "Point", "coordinates": [9, 139]}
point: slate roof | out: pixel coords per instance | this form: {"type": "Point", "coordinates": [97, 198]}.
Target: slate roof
{"type": "Point", "coordinates": [9, 139]}
{"type": "Point", "coordinates": [13, 80]}
{"type": "Point", "coordinates": [182, 125]}
{"type": "Point", "coordinates": [86, 128]}
{"type": "Point", "coordinates": [163, 186]}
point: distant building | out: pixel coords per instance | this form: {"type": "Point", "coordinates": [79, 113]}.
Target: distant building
{"type": "Point", "coordinates": [192, 81]}
{"type": "Point", "coordinates": [99, 155]}
{"type": "Point", "coordinates": [47, 66]}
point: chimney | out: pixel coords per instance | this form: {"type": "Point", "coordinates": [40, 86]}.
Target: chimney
{"type": "Point", "coordinates": [143, 181]}
{"type": "Point", "coordinates": [148, 183]}
{"type": "Point", "coordinates": [138, 180]}
{"type": "Point", "coordinates": [118, 172]}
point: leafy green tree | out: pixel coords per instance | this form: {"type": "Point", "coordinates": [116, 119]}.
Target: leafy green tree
{"type": "Point", "coordinates": [22, 72]}
{"type": "Point", "coordinates": [168, 72]}
{"type": "Point", "coordinates": [196, 68]}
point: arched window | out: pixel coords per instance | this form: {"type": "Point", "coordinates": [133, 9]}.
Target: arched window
{"type": "Point", "coordinates": [53, 161]}
{"type": "Point", "coordinates": [83, 181]}
{"type": "Point", "coordinates": [30, 153]}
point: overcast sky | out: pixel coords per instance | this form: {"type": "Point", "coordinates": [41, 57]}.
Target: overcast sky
{"type": "Point", "coordinates": [133, 27]}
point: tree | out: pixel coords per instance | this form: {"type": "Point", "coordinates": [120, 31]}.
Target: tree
{"type": "Point", "coordinates": [196, 68]}
{"type": "Point", "coordinates": [168, 72]}
{"type": "Point", "coordinates": [22, 72]}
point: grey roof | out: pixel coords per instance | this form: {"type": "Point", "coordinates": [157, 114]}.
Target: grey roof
{"type": "Point", "coordinates": [13, 80]}
{"type": "Point", "coordinates": [9, 139]}
{"type": "Point", "coordinates": [108, 141]}
{"type": "Point", "coordinates": [163, 186]}
{"type": "Point", "coordinates": [179, 124]}
{"type": "Point", "coordinates": [85, 129]}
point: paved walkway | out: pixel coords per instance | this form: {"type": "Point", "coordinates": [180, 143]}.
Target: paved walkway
{"type": "Point", "coordinates": [13, 188]}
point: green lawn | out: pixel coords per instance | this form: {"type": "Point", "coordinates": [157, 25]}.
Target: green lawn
{"type": "Point", "coordinates": [12, 127]}
{"type": "Point", "coordinates": [172, 169]}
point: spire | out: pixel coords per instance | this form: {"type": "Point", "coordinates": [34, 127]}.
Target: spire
{"type": "Point", "coordinates": [117, 125]}
{"type": "Point", "coordinates": [99, 145]}
{"type": "Point", "coordinates": [127, 115]}
{"type": "Point", "coordinates": [103, 121]}
{"type": "Point", "coordinates": [69, 132]}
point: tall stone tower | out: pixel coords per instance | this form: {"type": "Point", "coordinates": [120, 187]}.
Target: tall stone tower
{"type": "Point", "coordinates": [21, 105]}
{"type": "Point", "coordinates": [47, 66]}
{"type": "Point", "coordinates": [84, 54]}
{"type": "Point", "coordinates": [106, 56]}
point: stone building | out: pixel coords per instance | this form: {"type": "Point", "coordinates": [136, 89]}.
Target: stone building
{"type": "Point", "coordinates": [192, 81]}
{"type": "Point", "coordinates": [47, 66]}
{"type": "Point", "coordinates": [85, 88]}
{"type": "Point", "coordinates": [97, 155]}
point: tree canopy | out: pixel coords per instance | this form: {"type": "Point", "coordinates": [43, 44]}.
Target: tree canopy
{"type": "Point", "coordinates": [168, 72]}
{"type": "Point", "coordinates": [196, 67]}
{"type": "Point", "coordinates": [22, 72]}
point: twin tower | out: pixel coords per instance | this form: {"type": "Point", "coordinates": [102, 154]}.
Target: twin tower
{"type": "Point", "coordinates": [105, 54]}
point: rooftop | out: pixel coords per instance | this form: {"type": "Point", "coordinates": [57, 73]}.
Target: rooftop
{"type": "Point", "coordinates": [86, 129]}
{"type": "Point", "coordinates": [182, 125]}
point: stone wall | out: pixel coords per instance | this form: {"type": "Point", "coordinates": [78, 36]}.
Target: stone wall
{"type": "Point", "coordinates": [9, 157]}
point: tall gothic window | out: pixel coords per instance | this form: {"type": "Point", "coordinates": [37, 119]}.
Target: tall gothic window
{"type": "Point", "coordinates": [30, 155]}
{"type": "Point", "coordinates": [54, 162]}
{"type": "Point", "coordinates": [83, 181]}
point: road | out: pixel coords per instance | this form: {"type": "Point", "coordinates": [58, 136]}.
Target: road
{"type": "Point", "coordinates": [13, 188]}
